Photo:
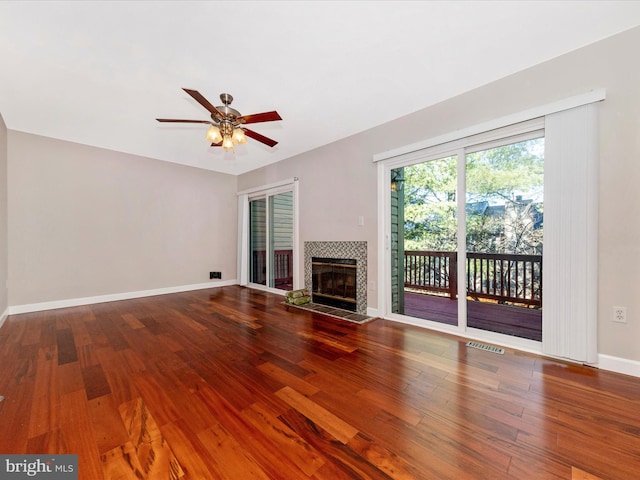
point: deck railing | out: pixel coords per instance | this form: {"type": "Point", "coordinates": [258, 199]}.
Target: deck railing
{"type": "Point", "coordinates": [432, 271]}
{"type": "Point", "coordinates": [504, 278]}
{"type": "Point", "coordinates": [282, 267]}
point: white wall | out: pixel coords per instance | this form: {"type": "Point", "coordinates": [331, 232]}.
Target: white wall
{"type": "Point", "coordinates": [338, 181]}
{"type": "Point", "coordinates": [87, 222]}
{"type": "Point", "coordinates": [4, 252]}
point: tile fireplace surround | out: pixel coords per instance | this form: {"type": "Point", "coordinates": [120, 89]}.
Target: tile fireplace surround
{"type": "Point", "coordinates": [355, 250]}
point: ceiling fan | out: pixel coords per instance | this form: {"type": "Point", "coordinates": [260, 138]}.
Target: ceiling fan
{"type": "Point", "coordinates": [227, 125]}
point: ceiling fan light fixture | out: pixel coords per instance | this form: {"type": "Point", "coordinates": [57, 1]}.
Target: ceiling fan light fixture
{"type": "Point", "coordinates": [213, 134]}
{"type": "Point", "coordinates": [239, 136]}
{"type": "Point", "coordinates": [227, 143]}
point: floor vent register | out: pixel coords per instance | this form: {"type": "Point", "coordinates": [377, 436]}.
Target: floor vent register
{"type": "Point", "coordinates": [486, 348]}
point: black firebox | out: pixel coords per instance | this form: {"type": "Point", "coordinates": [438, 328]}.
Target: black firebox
{"type": "Point", "coordinates": [334, 282]}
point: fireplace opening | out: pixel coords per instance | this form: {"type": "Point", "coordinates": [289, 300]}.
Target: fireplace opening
{"type": "Point", "coordinates": [334, 282]}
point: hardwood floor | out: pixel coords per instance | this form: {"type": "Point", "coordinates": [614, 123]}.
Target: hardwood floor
{"type": "Point", "coordinates": [227, 383]}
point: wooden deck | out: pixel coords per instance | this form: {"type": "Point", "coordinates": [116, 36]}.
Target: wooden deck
{"type": "Point", "coordinates": [506, 319]}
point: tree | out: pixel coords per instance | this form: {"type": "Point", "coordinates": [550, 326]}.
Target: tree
{"type": "Point", "coordinates": [430, 205]}
{"type": "Point", "coordinates": [504, 201]}
{"type": "Point", "coordinates": [509, 179]}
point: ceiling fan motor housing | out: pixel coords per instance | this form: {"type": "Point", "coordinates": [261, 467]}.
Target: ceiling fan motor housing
{"type": "Point", "coordinates": [227, 112]}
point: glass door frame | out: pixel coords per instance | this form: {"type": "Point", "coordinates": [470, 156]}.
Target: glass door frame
{"type": "Point", "coordinates": [244, 244]}
{"type": "Point", "coordinates": [458, 148]}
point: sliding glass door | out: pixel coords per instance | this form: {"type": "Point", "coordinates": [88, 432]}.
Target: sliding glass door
{"type": "Point", "coordinates": [271, 240]}
{"type": "Point", "coordinates": [504, 225]}
{"type": "Point", "coordinates": [466, 236]}
{"type": "Point", "coordinates": [258, 241]}
{"type": "Point", "coordinates": [424, 240]}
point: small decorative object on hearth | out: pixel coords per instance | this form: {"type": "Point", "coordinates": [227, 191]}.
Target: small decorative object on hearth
{"type": "Point", "coordinates": [298, 297]}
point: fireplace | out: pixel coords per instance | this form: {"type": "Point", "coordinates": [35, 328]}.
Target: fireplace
{"type": "Point", "coordinates": [333, 282]}
{"type": "Point", "coordinates": [339, 250]}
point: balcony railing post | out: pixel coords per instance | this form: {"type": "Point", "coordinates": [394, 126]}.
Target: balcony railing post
{"type": "Point", "coordinates": [453, 275]}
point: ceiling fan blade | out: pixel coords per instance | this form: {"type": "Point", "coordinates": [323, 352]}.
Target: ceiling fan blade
{"type": "Point", "coordinates": [219, 144]}
{"type": "Point", "coordinates": [203, 101]}
{"type": "Point", "coordinates": [181, 121]}
{"type": "Point", "coordinates": [260, 138]}
{"type": "Point", "coordinates": [260, 117]}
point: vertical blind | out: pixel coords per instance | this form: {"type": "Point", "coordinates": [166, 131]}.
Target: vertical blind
{"type": "Point", "coordinates": [569, 318]}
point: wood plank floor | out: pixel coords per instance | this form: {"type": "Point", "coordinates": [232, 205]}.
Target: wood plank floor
{"type": "Point", "coordinates": [227, 383]}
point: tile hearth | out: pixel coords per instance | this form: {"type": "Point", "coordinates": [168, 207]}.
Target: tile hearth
{"type": "Point", "coordinates": [334, 312]}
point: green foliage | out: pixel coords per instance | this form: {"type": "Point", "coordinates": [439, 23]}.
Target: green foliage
{"type": "Point", "coordinates": [430, 205]}
{"type": "Point", "coordinates": [498, 173]}
{"type": "Point", "coordinates": [504, 201]}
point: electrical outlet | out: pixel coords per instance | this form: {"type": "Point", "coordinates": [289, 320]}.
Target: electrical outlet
{"type": "Point", "coordinates": [213, 275]}
{"type": "Point", "coordinates": [620, 314]}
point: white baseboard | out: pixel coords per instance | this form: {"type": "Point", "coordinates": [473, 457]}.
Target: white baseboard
{"type": "Point", "coordinates": [619, 365]}
{"type": "Point", "coordinates": [373, 312]}
{"type": "Point", "coordinates": [74, 302]}
{"type": "Point", "coordinates": [4, 316]}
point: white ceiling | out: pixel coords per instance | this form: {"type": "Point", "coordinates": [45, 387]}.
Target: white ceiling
{"type": "Point", "coordinates": [99, 73]}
